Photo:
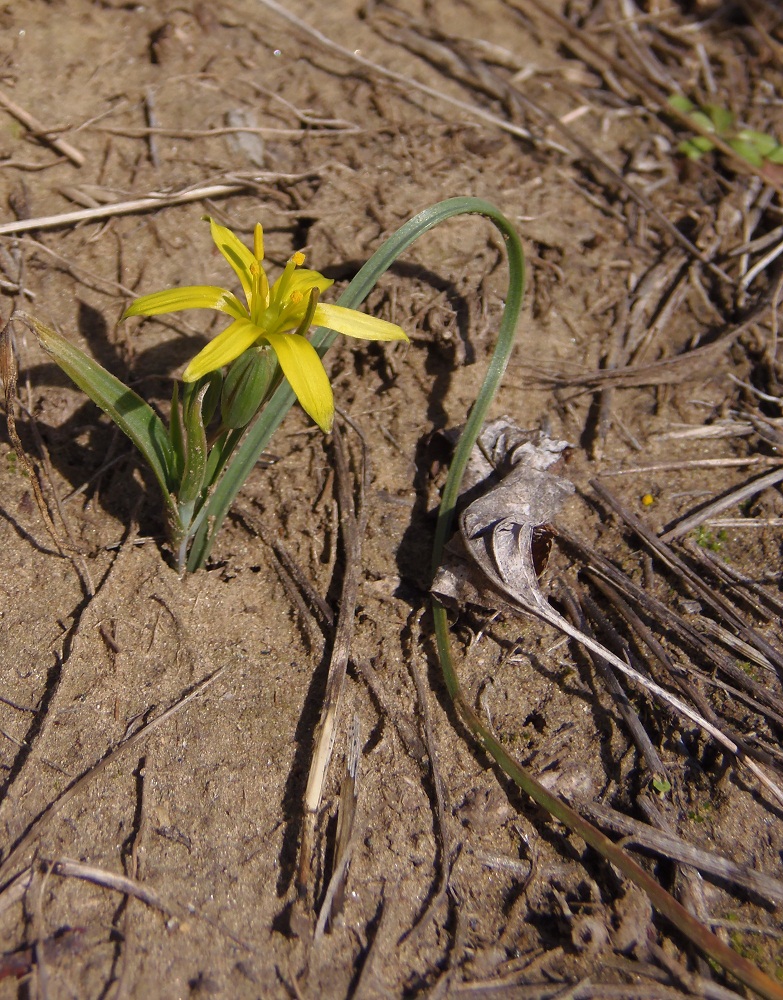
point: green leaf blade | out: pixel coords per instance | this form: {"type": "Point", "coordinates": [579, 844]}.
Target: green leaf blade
{"type": "Point", "coordinates": [129, 411]}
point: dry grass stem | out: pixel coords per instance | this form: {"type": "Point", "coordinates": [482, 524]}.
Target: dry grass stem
{"type": "Point", "coordinates": [626, 70]}
{"type": "Point", "coordinates": [715, 601]}
{"type": "Point", "coordinates": [731, 499]}
{"type": "Point", "coordinates": [149, 203]}
{"type": "Point", "coordinates": [9, 373]}
{"type": "Point", "coordinates": [620, 700]}
{"type": "Point", "coordinates": [657, 611]}
{"type": "Point", "coordinates": [40, 132]}
{"type": "Point", "coordinates": [300, 591]}
{"type": "Point", "coordinates": [742, 752]}
{"type": "Point", "coordinates": [348, 833]}
{"type": "Point", "coordinates": [512, 95]}
{"type": "Point", "coordinates": [407, 83]}
{"type": "Point", "coordinates": [353, 524]}
{"type": "Point", "coordinates": [68, 868]}
{"type": "Point", "coordinates": [447, 848]}
{"type": "Point", "coordinates": [150, 132]}
{"type": "Point", "coordinates": [695, 463]}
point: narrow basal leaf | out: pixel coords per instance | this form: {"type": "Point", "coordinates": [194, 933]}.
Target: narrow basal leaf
{"type": "Point", "coordinates": [177, 433]}
{"type": "Point", "coordinates": [195, 447]}
{"type": "Point", "coordinates": [129, 412]}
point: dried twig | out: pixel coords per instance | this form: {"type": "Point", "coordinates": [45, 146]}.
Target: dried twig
{"type": "Point", "coordinates": [620, 699]}
{"type": "Point", "coordinates": [739, 582]}
{"type": "Point", "coordinates": [37, 889]}
{"type": "Point", "coordinates": [151, 202]}
{"type": "Point", "coordinates": [730, 499]}
{"type": "Point", "coordinates": [150, 132]}
{"type": "Point", "coordinates": [9, 375]}
{"type": "Point", "coordinates": [694, 463]}
{"type": "Point", "coordinates": [348, 832]}
{"type": "Point", "coordinates": [667, 845]}
{"type": "Point", "coordinates": [446, 841]}
{"type": "Point", "coordinates": [351, 56]}
{"type": "Point", "coordinates": [118, 883]}
{"type": "Point", "coordinates": [132, 887]}
{"type": "Point", "coordinates": [511, 95]}
{"type": "Point", "coordinates": [706, 593]}
{"type": "Point", "coordinates": [123, 989]}
{"type": "Point", "coordinates": [662, 614]}
{"type": "Point", "coordinates": [300, 591]}
{"type": "Point", "coordinates": [664, 372]}
{"type": "Point", "coordinates": [627, 70]}
{"type": "Point", "coordinates": [353, 523]}
{"type": "Point", "coordinates": [40, 131]}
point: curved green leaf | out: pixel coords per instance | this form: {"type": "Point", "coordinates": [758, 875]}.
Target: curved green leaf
{"type": "Point", "coordinates": [260, 433]}
{"type": "Point", "coordinates": [129, 411]}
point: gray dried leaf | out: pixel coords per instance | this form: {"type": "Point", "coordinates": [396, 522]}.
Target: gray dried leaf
{"type": "Point", "coordinates": [503, 445]}
{"type": "Point", "coordinates": [497, 528]}
{"type": "Point", "coordinates": [497, 570]}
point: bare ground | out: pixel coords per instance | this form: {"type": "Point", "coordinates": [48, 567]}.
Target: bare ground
{"type": "Point", "coordinates": [643, 343]}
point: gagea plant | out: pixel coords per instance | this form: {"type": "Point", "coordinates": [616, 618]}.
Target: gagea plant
{"type": "Point", "coordinates": [226, 384]}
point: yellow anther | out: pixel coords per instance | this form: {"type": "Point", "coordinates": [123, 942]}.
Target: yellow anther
{"type": "Point", "coordinates": [648, 499]}
{"type": "Point", "coordinates": [296, 297]}
{"type": "Point", "coordinates": [298, 258]}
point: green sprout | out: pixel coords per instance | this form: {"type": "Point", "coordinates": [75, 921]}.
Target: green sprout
{"type": "Point", "coordinates": [707, 539]}
{"type": "Point", "coordinates": [756, 148]}
{"type": "Point", "coordinates": [748, 668]}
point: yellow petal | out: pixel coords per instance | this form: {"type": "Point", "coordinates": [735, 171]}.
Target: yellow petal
{"type": "Point", "coordinates": [188, 297]}
{"type": "Point", "coordinates": [236, 253]}
{"type": "Point", "coordinates": [356, 324]}
{"type": "Point", "coordinates": [302, 280]}
{"type": "Point", "coordinates": [305, 372]}
{"type": "Point", "coordinates": [224, 349]}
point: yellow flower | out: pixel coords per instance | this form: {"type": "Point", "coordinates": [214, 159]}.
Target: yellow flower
{"type": "Point", "coordinates": [279, 315]}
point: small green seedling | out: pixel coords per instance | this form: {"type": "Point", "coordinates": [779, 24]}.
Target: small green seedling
{"type": "Point", "coordinates": [756, 148]}
{"type": "Point", "coordinates": [661, 786]}
{"type": "Point", "coordinates": [706, 539]}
